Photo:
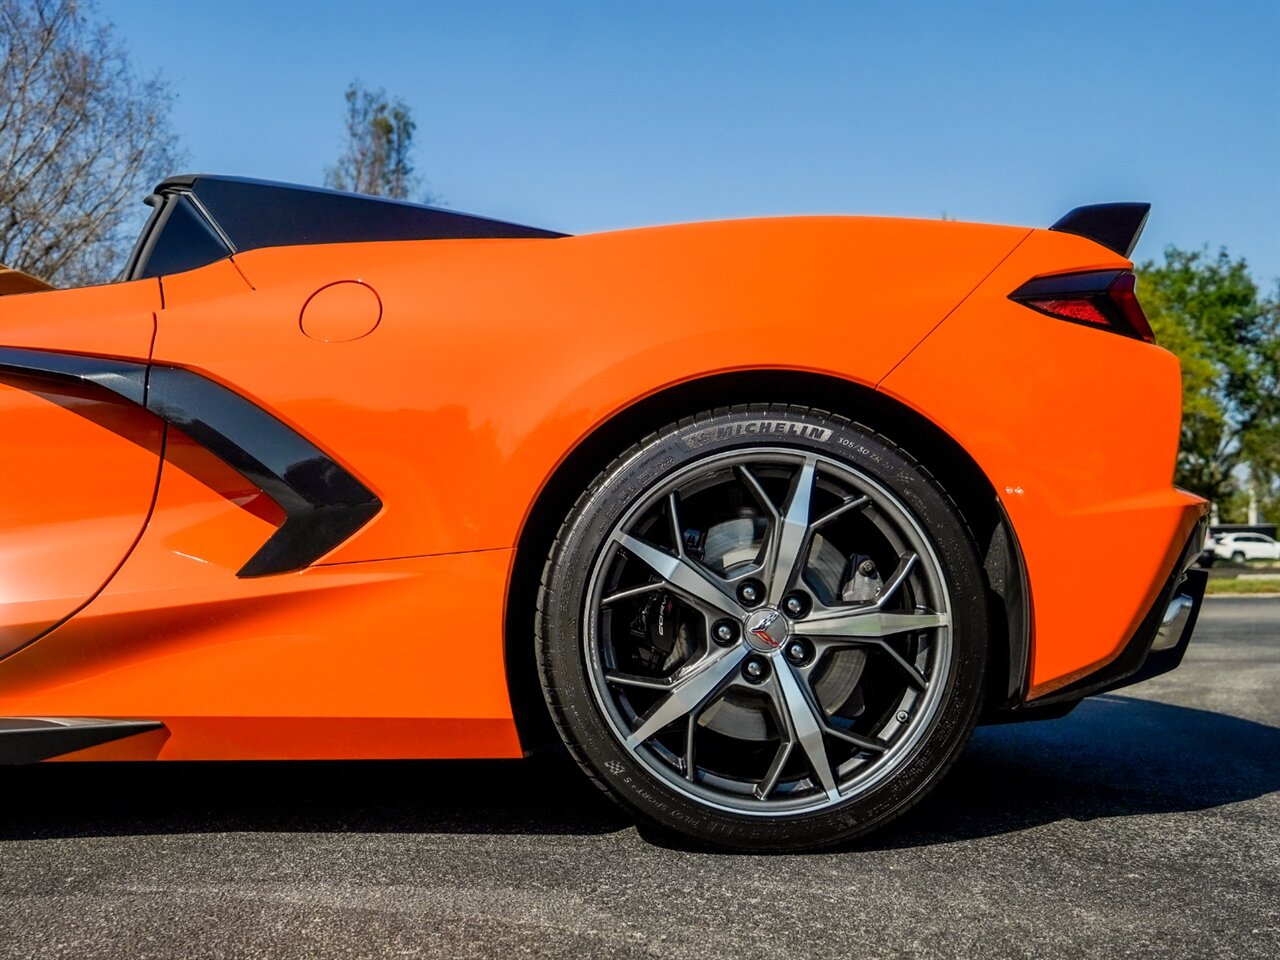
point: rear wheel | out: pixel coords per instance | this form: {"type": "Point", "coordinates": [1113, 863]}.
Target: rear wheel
{"type": "Point", "coordinates": [763, 628]}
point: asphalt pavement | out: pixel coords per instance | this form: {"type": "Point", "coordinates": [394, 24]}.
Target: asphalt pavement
{"type": "Point", "coordinates": [1144, 824]}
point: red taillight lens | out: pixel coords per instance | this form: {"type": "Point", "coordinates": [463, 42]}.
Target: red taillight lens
{"type": "Point", "coordinates": [1082, 311]}
{"type": "Point", "coordinates": [1100, 298]}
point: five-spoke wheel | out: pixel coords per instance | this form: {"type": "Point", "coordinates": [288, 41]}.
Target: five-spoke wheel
{"type": "Point", "coordinates": [752, 556]}
{"type": "Point", "coordinates": [761, 630]}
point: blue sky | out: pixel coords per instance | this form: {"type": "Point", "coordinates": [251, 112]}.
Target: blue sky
{"type": "Point", "coordinates": [594, 116]}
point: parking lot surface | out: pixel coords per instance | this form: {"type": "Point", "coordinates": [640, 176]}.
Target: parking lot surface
{"type": "Point", "coordinates": [1145, 824]}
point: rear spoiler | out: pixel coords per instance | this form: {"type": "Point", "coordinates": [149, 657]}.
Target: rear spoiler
{"type": "Point", "coordinates": [1117, 226]}
{"type": "Point", "coordinates": [15, 281]}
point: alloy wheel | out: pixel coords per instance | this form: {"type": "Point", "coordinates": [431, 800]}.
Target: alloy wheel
{"type": "Point", "coordinates": [768, 631]}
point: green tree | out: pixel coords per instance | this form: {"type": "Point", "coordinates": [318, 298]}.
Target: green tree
{"type": "Point", "coordinates": [1209, 311]}
{"type": "Point", "coordinates": [377, 158]}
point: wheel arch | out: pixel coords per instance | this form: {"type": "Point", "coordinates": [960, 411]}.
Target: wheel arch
{"type": "Point", "coordinates": [1004, 571]}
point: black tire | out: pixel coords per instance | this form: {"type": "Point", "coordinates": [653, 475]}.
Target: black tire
{"type": "Point", "coordinates": [1238, 557]}
{"type": "Point", "coordinates": [562, 655]}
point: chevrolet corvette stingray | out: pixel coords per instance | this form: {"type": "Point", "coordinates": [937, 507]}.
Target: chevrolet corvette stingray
{"type": "Point", "coordinates": [760, 517]}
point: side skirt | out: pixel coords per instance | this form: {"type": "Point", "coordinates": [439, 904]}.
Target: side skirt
{"type": "Point", "coordinates": [32, 739]}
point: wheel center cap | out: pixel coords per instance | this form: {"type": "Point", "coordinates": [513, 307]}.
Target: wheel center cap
{"type": "Point", "coordinates": [766, 629]}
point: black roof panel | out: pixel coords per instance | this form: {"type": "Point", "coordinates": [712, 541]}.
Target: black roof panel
{"type": "Point", "coordinates": [261, 213]}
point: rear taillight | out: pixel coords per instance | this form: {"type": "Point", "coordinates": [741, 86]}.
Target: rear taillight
{"type": "Point", "coordinates": [1100, 298]}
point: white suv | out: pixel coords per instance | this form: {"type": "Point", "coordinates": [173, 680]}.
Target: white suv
{"type": "Point", "coordinates": [1246, 546]}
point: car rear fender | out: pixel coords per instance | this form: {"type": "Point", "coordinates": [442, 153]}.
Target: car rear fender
{"type": "Point", "coordinates": [1078, 429]}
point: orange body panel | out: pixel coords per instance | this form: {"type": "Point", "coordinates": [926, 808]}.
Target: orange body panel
{"type": "Point", "coordinates": [177, 637]}
{"type": "Point", "coordinates": [113, 320]}
{"type": "Point", "coordinates": [494, 358]}
{"type": "Point", "coordinates": [487, 363]}
{"type": "Point", "coordinates": [64, 529]}
{"type": "Point", "coordinates": [77, 468]}
{"type": "Point", "coordinates": [1077, 429]}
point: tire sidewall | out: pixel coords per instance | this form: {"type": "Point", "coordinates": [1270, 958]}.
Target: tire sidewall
{"type": "Point", "coordinates": [563, 659]}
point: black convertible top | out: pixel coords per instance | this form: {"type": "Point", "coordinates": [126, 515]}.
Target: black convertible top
{"type": "Point", "coordinates": [200, 218]}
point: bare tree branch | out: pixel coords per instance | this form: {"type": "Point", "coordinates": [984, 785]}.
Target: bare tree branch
{"type": "Point", "coordinates": [82, 137]}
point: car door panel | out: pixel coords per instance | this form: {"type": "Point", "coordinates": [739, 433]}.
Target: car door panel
{"type": "Point", "coordinates": [78, 463]}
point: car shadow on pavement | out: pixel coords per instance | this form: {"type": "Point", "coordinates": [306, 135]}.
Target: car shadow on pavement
{"type": "Point", "coordinates": [1114, 756]}
{"type": "Point", "coordinates": [539, 796]}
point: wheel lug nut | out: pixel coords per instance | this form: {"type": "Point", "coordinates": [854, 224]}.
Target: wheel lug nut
{"type": "Point", "coordinates": [751, 592]}
{"type": "Point", "coordinates": [756, 669]}
{"type": "Point", "coordinates": [796, 605]}
{"type": "Point", "coordinates": [724, 632]}
{"type": "Point", "coordinates": [799, 652]}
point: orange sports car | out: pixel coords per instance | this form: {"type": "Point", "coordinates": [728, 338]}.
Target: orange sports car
{"type": "Point", "coordinates": [764, 516]}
